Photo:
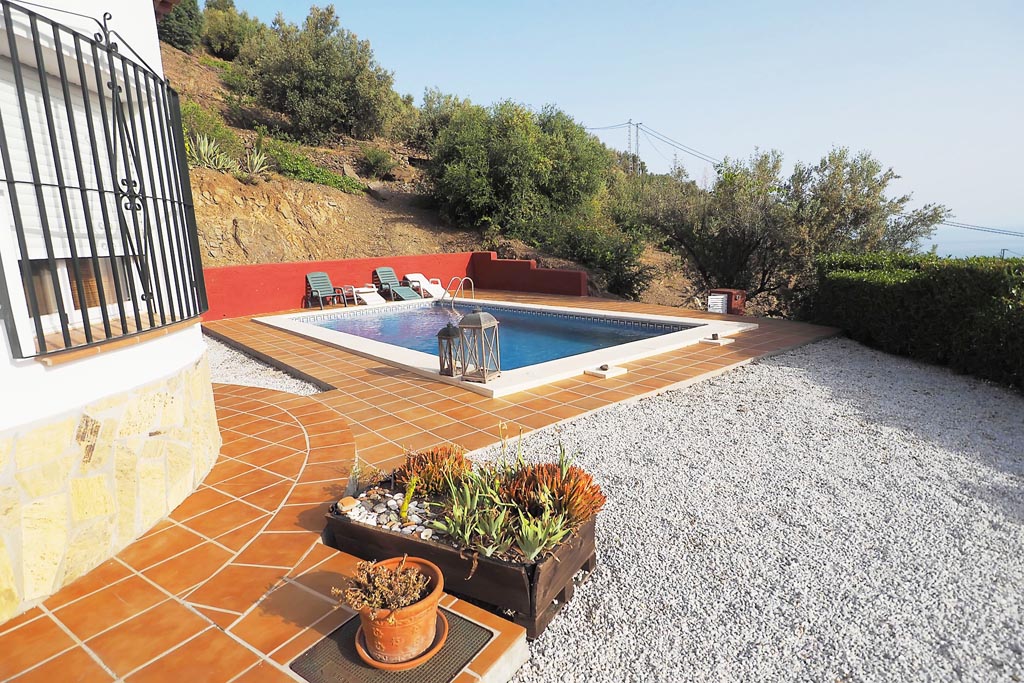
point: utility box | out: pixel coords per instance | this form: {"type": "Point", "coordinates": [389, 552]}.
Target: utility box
{"type": "Point", "coordinates": [735, 301]}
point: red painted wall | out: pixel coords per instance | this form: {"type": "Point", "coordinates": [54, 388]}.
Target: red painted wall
{"type": "Point", "coordinates": [491, 272]}
{"type": "Point", "coordinates": [235, 291]}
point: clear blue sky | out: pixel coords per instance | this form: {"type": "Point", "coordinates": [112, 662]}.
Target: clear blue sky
{"type": "Point", "coordinates": [934, 89]}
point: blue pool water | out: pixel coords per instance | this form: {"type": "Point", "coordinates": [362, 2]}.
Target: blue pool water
{"type": "Point", "coordinates": [526, 337]}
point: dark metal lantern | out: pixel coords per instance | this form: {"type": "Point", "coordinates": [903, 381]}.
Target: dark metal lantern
{"type": "Point", "coordinates": [449, 343]}
{"type": "Point", "coordinates": [480, 355]}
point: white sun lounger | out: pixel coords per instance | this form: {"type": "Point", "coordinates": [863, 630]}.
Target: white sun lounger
{"type": "Point", "coordinates": [425, 285]}
{"type": "Point", "coordinates": [368, 295]}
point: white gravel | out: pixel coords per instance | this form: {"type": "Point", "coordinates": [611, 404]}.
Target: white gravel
{"type": "Point", "coordinates": [230, 366]}
{"type": "Point", "coordinates": [830, 514]}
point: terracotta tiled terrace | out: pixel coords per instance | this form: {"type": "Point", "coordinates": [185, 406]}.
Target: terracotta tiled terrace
{"type": "Point", "coordinates": [390, 410]}
{"type": "Point", "coordinates": [235, 583]}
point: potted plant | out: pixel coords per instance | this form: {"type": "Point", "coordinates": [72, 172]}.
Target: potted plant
{"type": "Point", "coordinates": [397, 600]}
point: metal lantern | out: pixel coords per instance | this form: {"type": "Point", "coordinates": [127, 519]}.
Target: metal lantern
{"type": "Point", "coordinates": [481, 358]}
{"type": "Point", "coordinates": [448, 345]}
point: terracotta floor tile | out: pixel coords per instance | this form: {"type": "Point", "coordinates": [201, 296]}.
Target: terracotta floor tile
{"type": "Point", "coordinates": [330, 573]}
{"type": "Point", "coordinates": [288, 467]}
{"type": "Point", "coordinates": [212, 657]}
{"type": "Point", "coordinates": [108, 573]}
{"type": "Point", "coordinates": [266, 455]}
{"type": "Point", "coordinates": [226, 469]}
{"type": "Point", "coordinates": [265, 672]}
{"type": "Point", "coordinates": [250, 482]}
{"type": "Point", "coordinates": [277, 433]}
{"type": "Point", "coordinates": [318, 492]}
{"type": "Point", "coordinates": [188, 569]}
{"type": "Point", "coordinates": [236, 540]}
{"type": "Point", "coordinates": [300, 518]}
{"type": "Point", "coordinates": [378, 454]}
{"type": "Point", "coordinates": [237, 587]}
{"type": "Point", "coordinates": [317, 554]}
{"type": "Point", "coordinates": [269, 498]}
{"type": "Point", "coordinates": [538, 420]}
{"type": "Point", "coordinates": [22, 619]}
{"type": "Point", "coordinates": [221, 618]}
{"type": "Point", "coordinates": [476, 440]}
{"type": "Point", "coordinates": [74, 666]}
{"type": "Point", "coordinates": [453, 431]}
{"type": "Point", "coordinates": [277, 549]}
{"type": "Point", "coordinates": [148, 551]}
{"type": "Point", "coordinates": [30, 644]}
{"type": "Point", "coordinates": [399, 432]}
{"type": "Point", "coordinates": [335, 454]}
{"type": "Point", "coordinates": [109, 606]}
{"type": "Point", "coordinates": [203, 500]}
{"type": "Point", "coordinates": [280, 617]}
{"type": "Point", "coordinates": [419, 441]}
{"type": "Point", "coordinates": [242, 446]}
{"type": "Point", "coordinates": [311, 636]}
{"type": "Point", "coordinates": [223, 519]}
{"type": "Point", "coordinates": [130, 645]}
{"type": "Point", "coordinates": [332, 471]}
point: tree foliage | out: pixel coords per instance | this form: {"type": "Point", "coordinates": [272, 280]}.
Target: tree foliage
{"type": "Point", "coordinates": [225, 29]}
{"type": "Point", "coordinates": [182, 26]}
{"type": "Point", "coordinates": [321, 76]}
{"type": "Point", "coordinates": [758, 230]}
{"type": "Point", "coordinates": [534, 176]}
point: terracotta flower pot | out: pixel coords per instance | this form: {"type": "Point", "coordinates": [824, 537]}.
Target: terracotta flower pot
{"type": "Point", "coordinates": [406, 633]}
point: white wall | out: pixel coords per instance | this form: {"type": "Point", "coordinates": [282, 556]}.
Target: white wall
{"type": "Point", "coordinates": [134, 20]}
{"type": "Point", "coordinates": [31, 391]}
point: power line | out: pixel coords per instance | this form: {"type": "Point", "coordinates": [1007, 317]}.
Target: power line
{"type": "Point", "coordinates": [680, 146]}
{"type": "Point", "coordinates": [617, 125]}
{"type": "Point", "coordinates": [980, 228]}
{"type": "Point", "coordinates": [655, 147]}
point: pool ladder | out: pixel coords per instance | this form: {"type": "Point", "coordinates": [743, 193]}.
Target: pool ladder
{"type": "Point", "coordinates": [460, 288]}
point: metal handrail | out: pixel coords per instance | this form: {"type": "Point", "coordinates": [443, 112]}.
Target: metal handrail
{"type": "Point", "coordinates": [462, 286]}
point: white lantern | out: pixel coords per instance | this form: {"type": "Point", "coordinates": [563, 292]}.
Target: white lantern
{"type": "Point", "coordinates": [481, 357]}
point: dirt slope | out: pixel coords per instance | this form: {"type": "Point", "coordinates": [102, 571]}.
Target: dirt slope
{"type": "Point", "coordinates": [288, 220]}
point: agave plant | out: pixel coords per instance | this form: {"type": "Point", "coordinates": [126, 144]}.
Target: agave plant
{"type": "Point", "coordinates": [539, 534]}
{"type": "Point", "coordinates": [255, 164]}
{"type": "Point", "coordinates": [205, 152]}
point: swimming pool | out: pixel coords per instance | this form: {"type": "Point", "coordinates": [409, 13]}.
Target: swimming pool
{"type": "Point", "coordinates": [526, 337]}
{"type": "Point", "coordinates": [539, 344]}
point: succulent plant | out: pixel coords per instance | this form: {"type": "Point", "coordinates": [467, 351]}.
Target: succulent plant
{"type": "Point", "coordinates": [433, 468]}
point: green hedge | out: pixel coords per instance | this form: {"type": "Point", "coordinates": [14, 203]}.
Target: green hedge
{"type": "Point", "coordinates": [965, 313]}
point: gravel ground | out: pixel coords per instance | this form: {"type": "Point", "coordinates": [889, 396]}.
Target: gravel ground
{"type": "Point", "coordinates": [234, 367]}
{"type": "Point", "coordinates": [831, 514]}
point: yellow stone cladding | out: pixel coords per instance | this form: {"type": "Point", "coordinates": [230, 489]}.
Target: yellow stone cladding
{"type": "Point", "coordinates": [76, 490]}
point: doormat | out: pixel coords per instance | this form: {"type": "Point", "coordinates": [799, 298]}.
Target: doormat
{"type": "Point", "coordinates": [334, 659]}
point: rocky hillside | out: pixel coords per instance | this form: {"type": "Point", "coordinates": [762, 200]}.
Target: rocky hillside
{"type": "Point", "coordinates": [282, 219]}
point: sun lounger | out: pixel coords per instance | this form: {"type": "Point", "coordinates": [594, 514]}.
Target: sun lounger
{"type": "Point", "coordinates": [367, 295]}
{"type": "Point", "coordinates": [319, 289]}
{"type": "Point", "coordinates": [425, 285]}
{"type": "Point", "coordinates": [388, 285]}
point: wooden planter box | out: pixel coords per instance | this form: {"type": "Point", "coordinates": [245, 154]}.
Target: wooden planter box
{"type": "Point", "coordinates": [529, 590]}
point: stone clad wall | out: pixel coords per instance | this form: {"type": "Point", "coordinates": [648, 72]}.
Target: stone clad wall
{"type": "Point", "coordinates": [77, 489]}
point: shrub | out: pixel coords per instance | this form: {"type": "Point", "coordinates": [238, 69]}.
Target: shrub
{"type": "Point", "coordinates": [195, 120]}
{"type": "Point", "coordinates": [182, 26]}
{"type": "Point", "coordinates": [292, 163]}
{"type": "Point", "coordinates": [226, 30]}
{"type": "Point", "coordinates": [321, 76]}
{"type": "Point", "coordinates": [964, 313]}
{"type": "Point", "coordinates": [378, 162]}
